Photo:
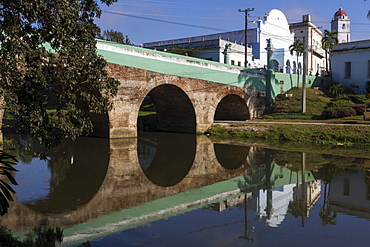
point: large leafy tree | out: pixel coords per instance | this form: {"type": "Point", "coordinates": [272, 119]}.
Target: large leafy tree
{"type": "Point", "coordinates": [297, 47]}
{"type": "Point", "coordinates": [115, 36]}
{"type": "Point", "coordinates": [328, 41]}
{"type": "Point", "coordinates": [48, 57]}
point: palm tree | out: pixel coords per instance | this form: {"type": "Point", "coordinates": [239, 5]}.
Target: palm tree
{"type": "Point", "coordinates": [6, 168]}
{"type": "Point", "coordinates": [328, 41]}
{"type": "Point", "coordinates": [297, 47]}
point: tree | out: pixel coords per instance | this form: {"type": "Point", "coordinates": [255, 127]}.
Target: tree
{"type": "Point", "coordinates": [188, 50]}
{"type": "Point", "coordinates": [297, 47]}
{"type": "Point", "coordinates": [328, 41]}
{"type": "Point", "coordinates": [48, 56]}
{"type": "Point", "coordinates": [115, 36]}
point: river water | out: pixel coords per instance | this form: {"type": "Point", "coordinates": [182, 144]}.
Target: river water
{"type": "Point", "coordinates": [163, 189]}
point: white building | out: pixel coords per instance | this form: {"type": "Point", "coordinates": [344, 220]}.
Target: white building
{"type": "Point", "coordinates": [351, 64]}
{"type": "Point", "coordinates": [212, 46]}
{"type": "Point", "coordinates": [312, 36]}
{"type": "Point", "coordinates": [272, 25]}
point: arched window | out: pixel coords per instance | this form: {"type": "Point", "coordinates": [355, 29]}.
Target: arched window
{"type": "Point", "coordinates": [275, 64]}
{"type": "Point", "coordinates": [300, 68]}
{"type": "Point", "coordinates": [294, 68]}
{"type": "Point", "coordinates": [287, 69]}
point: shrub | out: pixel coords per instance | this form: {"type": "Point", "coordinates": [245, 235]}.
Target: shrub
{"type": "Point", "coordinates": [338, 112]}
{"type": "Point", "coordinates": [340, 102]}
{"type": "Point", "coordinates": [367, 87]}
{"type": "Point", "coordinates": [359, 109]}
{"type": "Point", "coordinates": [358, 99]}
{"type": "Point", "coordinates": [336, 89]}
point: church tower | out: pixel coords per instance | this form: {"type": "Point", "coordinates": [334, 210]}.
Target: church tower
{"type": "Point", "coordinates": [341, 24]}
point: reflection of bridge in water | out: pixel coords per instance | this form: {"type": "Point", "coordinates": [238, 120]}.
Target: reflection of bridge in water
{"type": "Point", "coordinates": [171, 177]}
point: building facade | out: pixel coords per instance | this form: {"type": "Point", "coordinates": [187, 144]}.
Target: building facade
{"type": "Point", "coordinates": [351, 64]}
{"type": "Point", "coordinates": [273, 25]}
{"type": "Point", "coordinates": [212, 47]}
{"type": "Point", "coordinates": [311, 36]}
{"type": "Point", "coordinates": [228, 47]}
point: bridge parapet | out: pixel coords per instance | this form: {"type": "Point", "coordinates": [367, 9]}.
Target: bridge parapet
{"type": "Point", "coordinates": [178, 65]}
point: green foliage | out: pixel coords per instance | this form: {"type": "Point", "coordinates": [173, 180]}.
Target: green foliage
{"type": "Point", "coordinates": [41, 236]}
{"type": "Point", "coordinates": [358, 99]}
{"type": "Point", "coordinates": [328, 41]}
{"type": "Point", "coordinates": [115, 36]}
{"type": "Point", "coordinates": [185, 50]}
{"type": "Point", "coordinates": [296, 47]}
{"type": "Point", "coordinates": [367, 87]}
{"type": "Point", "coordinates": [322, 134]}
{"type": "Point", "coordinates": [336, 89]}
{"type": "Point", "coordinates": [320, 106]}
{"type": "Point", "coordinates": [48, 52]}
{"type": "Point", "coordinates": [6, 167]}
{"type": "Point", "coordinates": [44, 236]}
{"type": "Point", "coordinates": [291, 108]}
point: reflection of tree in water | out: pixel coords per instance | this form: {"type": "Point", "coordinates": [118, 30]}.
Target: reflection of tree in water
{"type": "Point", "coordinates": [22, 152]}
{"type": "Point", "coordinates": [295, 208]}
{"type": "Point", "coordinates": [58, 167]}
{"type": "Point", "coordinates": [25, 150]}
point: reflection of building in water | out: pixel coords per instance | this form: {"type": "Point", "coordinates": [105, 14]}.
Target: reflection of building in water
{"type": "Point", "coordinates": [281, 196]}
{"type": "Point", "coordinates": [274, 206]}
{"type": "Point", "coordinates": [350, 193]}
{"type": "Point", "coordinates": [312, 192]}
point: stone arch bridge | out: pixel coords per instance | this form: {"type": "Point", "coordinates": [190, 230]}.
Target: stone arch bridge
{"type": "Point", "coordinates": [188, 93]}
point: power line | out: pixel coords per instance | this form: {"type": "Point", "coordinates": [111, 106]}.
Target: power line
{"type": "Point", "coordinates": [170, 22]}
{"type": "Point", "coordinates": [170, 5]}
{"type": "Point", "coordinates": [179, 16]}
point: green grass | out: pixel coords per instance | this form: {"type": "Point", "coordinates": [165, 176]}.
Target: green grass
{"type": "Point", "coordinates": [316, 102]}
{"type": "Point", "coordinates": [291, 107]}
{"type": "Point", "coordinates": [319, 134]}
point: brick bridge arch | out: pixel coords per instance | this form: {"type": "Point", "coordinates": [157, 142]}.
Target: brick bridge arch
{"type": "Point", "coordinates": [183, 104]}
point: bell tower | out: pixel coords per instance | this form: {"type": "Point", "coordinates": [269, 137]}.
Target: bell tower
{"type": "Point", "coordinates": [341, 24]}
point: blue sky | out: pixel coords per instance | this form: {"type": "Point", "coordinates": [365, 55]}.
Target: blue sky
{"type": "Point", "coordinates": [221, 15]}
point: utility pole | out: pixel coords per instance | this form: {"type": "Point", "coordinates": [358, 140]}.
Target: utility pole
{"type": "Point", "coordinates": [304, 75]}
{"type": "Point", "coordinates": [246, 11]}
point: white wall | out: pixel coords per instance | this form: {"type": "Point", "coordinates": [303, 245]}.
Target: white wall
{"type": "Point", "coordinates": [358, 53]}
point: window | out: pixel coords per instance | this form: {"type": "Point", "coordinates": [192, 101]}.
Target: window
{"type": "Point", "coordinates": [347, 70]}
{"type": "Point", "coordinates": [344, 26]}
{"type": "Point", "coordinates": [239, 63]}
{"type": "Point", "coordinates": [232, 62]}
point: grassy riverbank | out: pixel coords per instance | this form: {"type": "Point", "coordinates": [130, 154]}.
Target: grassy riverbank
{"type": "Point", "coordinates": [310, 127]}
{"type": "Point", "coordinates": [321, 134]}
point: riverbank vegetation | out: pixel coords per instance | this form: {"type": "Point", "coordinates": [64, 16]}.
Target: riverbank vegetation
{"type": "Point", "coordinates": [323, 123]}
